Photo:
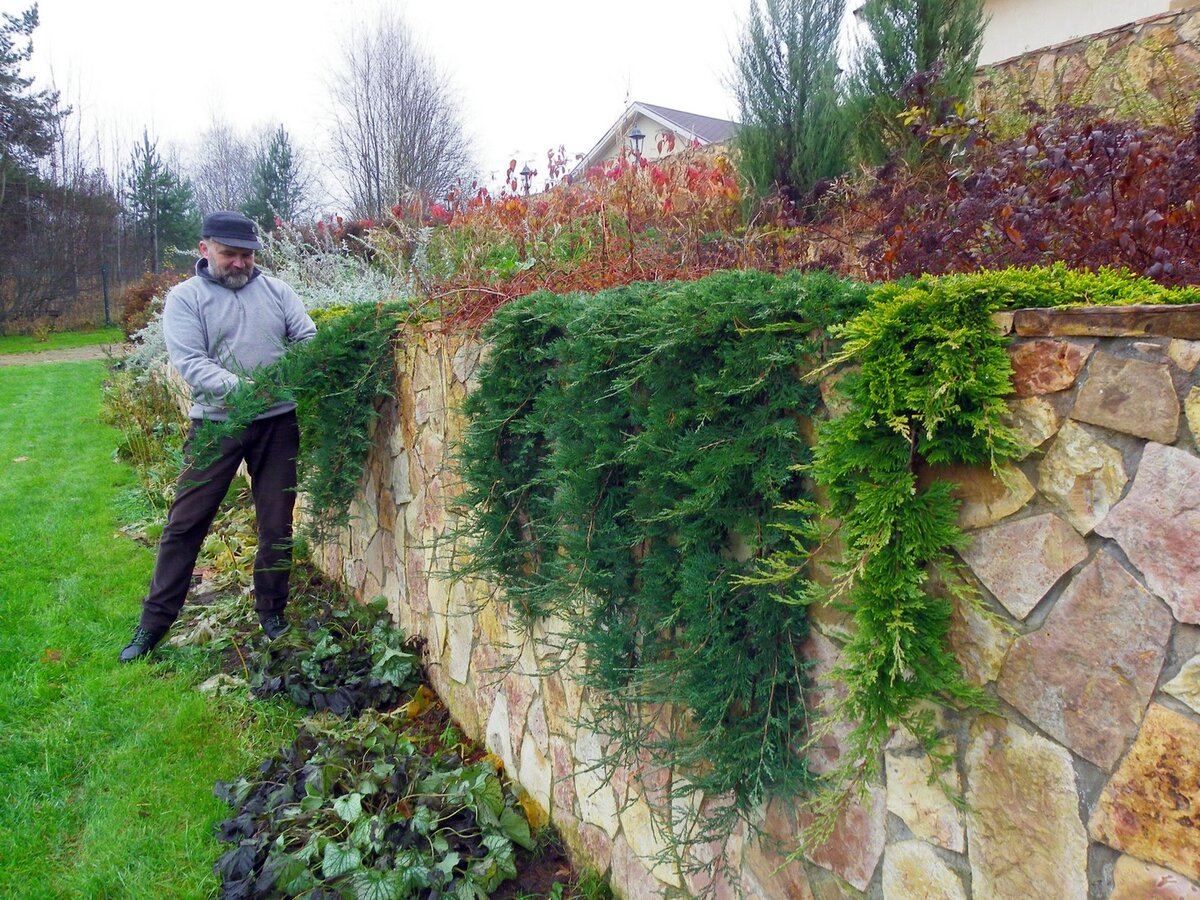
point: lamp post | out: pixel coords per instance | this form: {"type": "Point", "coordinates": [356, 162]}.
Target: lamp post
{"type": "Point", "coordinates": [635, 139]}
{"type": "Point", "coordinates": [527, 176]}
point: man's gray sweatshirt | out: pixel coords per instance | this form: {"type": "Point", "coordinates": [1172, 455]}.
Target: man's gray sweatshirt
{"type": "Point", "coordinates": [216, 336]}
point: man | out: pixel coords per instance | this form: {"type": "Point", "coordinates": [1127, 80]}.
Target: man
{"type": "Point", "coordinates": [220, 326]}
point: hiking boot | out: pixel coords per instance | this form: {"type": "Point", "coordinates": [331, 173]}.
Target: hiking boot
{"type": "Point", "coordinates": [276, 626]}
{"type": "Point", "coordinates": [143, 642]}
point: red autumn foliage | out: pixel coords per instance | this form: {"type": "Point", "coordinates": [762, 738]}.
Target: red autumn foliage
{"type": "Point", "coordinates": [1075, 188]}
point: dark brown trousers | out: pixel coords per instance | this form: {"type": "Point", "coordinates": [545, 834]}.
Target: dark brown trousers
{"type": "Point", "coordinates": [269, 447]}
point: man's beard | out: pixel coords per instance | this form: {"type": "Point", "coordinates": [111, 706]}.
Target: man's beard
{"type": "Point", "coordinates": [230, 279]}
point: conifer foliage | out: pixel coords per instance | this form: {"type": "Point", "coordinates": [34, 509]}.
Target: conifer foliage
{"type": "Point", "coordinates": [794, 132]}
{"type": "Point", "coordinates": [631, 454]}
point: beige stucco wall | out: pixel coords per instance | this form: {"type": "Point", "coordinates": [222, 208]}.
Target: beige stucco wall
{"type": "Point", "coordinates": [1085, 781]}
{"type": "Point", "coordinates": [1018, 26]}
{"type": "Point", "coordinates": [654, 132]}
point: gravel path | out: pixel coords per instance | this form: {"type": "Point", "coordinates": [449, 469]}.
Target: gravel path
{"type": "Point", "coordinates": [73, 354]}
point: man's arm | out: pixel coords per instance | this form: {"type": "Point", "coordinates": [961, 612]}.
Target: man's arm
{"type": "Point", "coordinates": [300, 325]}
{"type": "Point", "coordinates": [209, 381]}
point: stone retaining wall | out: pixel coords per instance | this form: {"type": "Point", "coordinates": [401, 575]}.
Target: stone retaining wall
{"type": "Point", "coordinates": [1087, 782]}
{"type": "Point", "coordinates": [1149, 69]}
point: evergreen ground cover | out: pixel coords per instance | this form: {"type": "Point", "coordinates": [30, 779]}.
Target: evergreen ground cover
{"type": "Point", "coordinates": [27, 343]}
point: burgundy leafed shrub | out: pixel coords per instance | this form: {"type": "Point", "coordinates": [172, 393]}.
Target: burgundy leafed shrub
{"type": "Point", "coordinates": [1075, 188]}
{"type": "Point", "coordinates": [136, 300]}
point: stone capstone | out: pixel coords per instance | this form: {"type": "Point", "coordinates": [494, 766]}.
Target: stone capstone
{"type": "Point", "coordinates": [1129, 395]}
{"type": "Point", "coordinates": [1020, 561]}
{"type": "Point", "coordinates": [1024, 831]}
{"type": "Point", "coordinates": [1149, 807]}
{"type": "Point", "coordinates": [1137, 880]}
{"type": "Point", "coordinates": [1046, 365]}
{"type": "Point", "coordinates": [1082, 476]}
{"type": "Point", "coordinates": [1086, 676]}
{"type": "Point", "coordinates": [912, 870]}
{"type": "Point", "coordinates": [924, 806]}
{"type": "Point", "coordinates": [1158, 527]}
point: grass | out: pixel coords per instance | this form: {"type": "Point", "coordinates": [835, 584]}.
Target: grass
{"type": "Point", "coordinates": [106, 770]}
{"type": "Point", "coordinates": [66, 340]}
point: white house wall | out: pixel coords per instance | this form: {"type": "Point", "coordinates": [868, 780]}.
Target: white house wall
{"type": "Point", "coordinates": [1018, 26]}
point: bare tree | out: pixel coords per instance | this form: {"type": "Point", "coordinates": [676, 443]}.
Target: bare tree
{"type": "Point", "coordinates": [398, 131]}
{"type": "Point", "coordinates": [221, 168]}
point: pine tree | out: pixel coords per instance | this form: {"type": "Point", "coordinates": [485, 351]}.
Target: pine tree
{"type": "Point", "coordinates": [939, 39]}
{"type": "Point", "coordinates": [27, 120]}
{"type": "Point", "coordinates": [161, 205]}
{"type": "Point", "coordinates": [794, 129]}
{"type": "Point", "coordinates": [277, 185]}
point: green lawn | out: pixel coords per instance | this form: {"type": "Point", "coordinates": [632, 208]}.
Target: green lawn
{"type": "Point", "coordinates": [23, 343]}
{"type": "Point", "coordinates": [106, 770]}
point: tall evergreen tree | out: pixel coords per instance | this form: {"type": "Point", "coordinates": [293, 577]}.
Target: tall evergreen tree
{"type": "Point", "coordinates": [905, 38]}
{"type": "Point", "coordinates": [27, 120]}
{"type": "Point", "coordinates": [794, 130]}
{"type": "Point", "coordinates": [277, 184]}
{"type": "Point", "coordinates": [161, 205]}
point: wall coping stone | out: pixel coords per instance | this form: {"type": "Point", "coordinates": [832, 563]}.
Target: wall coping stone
{"type": "Point", "coordinates": [1139, 320]}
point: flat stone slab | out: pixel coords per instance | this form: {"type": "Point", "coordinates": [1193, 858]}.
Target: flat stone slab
{"type": "Point", "coordinates": [984, 498]}
{"type": "Point", "coordinates": [1033, 418]}
{"type": "Point", "coordinates": [1137, 880]}
{"type": "Point", "coordinates": [1024, 832]}
{"type": "Point", "coordinates": [1020, 561]}
{"type": "Point", "coordinates": [856, 843]}
{"type": "Point", "coordinates": [1185, 354]}
{"type": "Point", "coordinates": [922, 806]}
{"type": "Point", "coordinates": [1086, 676]}
{"type": "Point", "coordinates": [1149, 809]}
{"type": "Point", "coordinates": [980, 642]}
{"type": "Point", "coordinates": [1158, 527]}
{"type": "Point", "coordinates": [913, 871]}
{"type": "Point", "coordinates": [1185, 686]}
{"type": "Point", "coordinates": [1046, 366]}
{"type": "Point", "coordinates": [1112, 321]}
{"type": "Point", "coordinates": [1082, 476]}
{"type": "Point", "coordinates": [1131, 396]}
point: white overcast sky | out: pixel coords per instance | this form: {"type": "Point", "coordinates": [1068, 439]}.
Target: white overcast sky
{"type": "Point", "coordinates": [530, 75]}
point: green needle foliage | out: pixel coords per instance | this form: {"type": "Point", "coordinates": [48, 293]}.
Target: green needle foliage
{"type": "Point", "coordinates": [932, 375]}
{"type": "Point", "coordinates": [630, 455]}
{"type": "Point", "coordinates": [794, 130]}
{"type": "Point", "coordinates": [337, 380]}
{"type": "Point", "coordinates": [906, 38]}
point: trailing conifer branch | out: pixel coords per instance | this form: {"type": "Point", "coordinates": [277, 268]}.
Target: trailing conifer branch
{"type": "Point", "coordinates": [630, 455]}
{"type": "Point", "coordinates": [337, 381]}
{"type": "Point", "coordinates": [929, 386]}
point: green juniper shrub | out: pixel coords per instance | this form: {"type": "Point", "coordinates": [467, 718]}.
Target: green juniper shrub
{"type": "Point", "coordinates": [630, 454]}
{"type": "Point", "coordinates": [932, 372]}
{"type": "Point", "coordinates": [337, 381]}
